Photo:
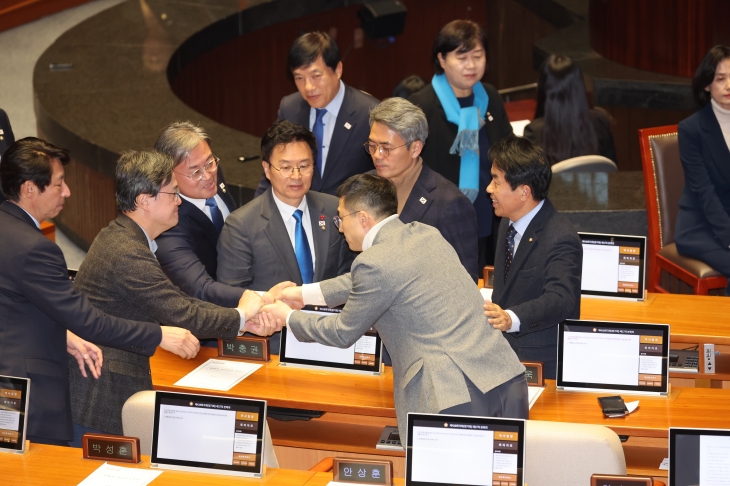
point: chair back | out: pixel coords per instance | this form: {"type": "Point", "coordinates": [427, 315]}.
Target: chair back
{"type": "Point", "coordinates": [569, 454]}
{"type": "Point", "coordinates": [585, 163]}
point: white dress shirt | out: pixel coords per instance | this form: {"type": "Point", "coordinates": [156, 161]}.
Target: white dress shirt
{"type": "Point", "coordinates": [287, 214]}
{"type": "Point", "coordinates": [329, 120]}
{"type": "Point", "coordinates": [200, 204]}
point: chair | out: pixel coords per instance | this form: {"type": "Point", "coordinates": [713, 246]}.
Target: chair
{"type": "Point", "coordinates": [585, 163]}
{"type": "Point", "coordinates": [568, 454]}
{"type": "Point", "coordinates": [138, 416]}
{"type": "Point", "coordinates": [669, 272]}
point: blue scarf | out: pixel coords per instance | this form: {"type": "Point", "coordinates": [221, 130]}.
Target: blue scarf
{"type": "Point", "coordinates": [469, 120]}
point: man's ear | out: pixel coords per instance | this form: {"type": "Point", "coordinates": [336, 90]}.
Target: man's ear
{"type": "Point", "coordinates": [28, 189]}
{"type": "Point", "coordinates": [416, 148]}
{"type": "Point", "coordinates": [525, 192]}
{"type": "Point", "coordinates": [267, 169]}
{"type": "Point", "coordinates": [143, 201]}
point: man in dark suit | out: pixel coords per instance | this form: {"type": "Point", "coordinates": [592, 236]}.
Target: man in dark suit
{"type": "Point", "coordinates": [539, 258]}
{"type": "Point", "coordinates": [187, 251]}
{"type": "Point", "coordinates": [336, 113]}
{"type": "Point", "coordinates": [6, 138]}
{"type": "Point", "coordinates": [122, 277]}
{"type": "Point", "coordinates": [398, 131]}
{"type": "Point", "coordinates": [261, 243]}
{"type": "Point", "coordinates": [408, 283]}
{"type": "Point", "coordinates": [41, 311]}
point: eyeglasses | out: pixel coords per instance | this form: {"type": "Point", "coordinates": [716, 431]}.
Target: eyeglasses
{"type": "Point", "coordinates": [384, 152]}
{"type": "Point", "coordinates": [209, 166]}
{"type": "Point", "coordinates": [338, 221]}
{"type": "Point", "coordinates": [288, 171]}
{"type": "Point", "coordinates": [176, 194]}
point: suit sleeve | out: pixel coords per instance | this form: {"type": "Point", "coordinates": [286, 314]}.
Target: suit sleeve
{"type": "Point", "coordinates": [235, 253]}
{"type": "Point", "coordinates": [366, 304]}
{"type": "Point", "coordinates": [697, 179]}
{"type": "Point", "coordinates": [458, 225]}
{"type": "Point", "coordinates": [336, 290]}
{"type": "Point", "coordinates": [560, 296]}
{"type": "Point", "coordinates": [176, 254]}
{"type": "Point", "coordinates": [46, 285]}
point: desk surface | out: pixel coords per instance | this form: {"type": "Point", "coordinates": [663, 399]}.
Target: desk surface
{"type": "Point", "coordinates": [44, 464]}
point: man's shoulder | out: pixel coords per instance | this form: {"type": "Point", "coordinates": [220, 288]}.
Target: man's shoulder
{"type": "Point", "coordinates": [358, 98]}
{"type": "Point", "coordinates": [250, 210]}
{"type": "Point", "coordinates": [441, 187]}
{"type": "Point", "coordinates": [321, 199]}
{"type": "Point", "coordinates": [557, 224]}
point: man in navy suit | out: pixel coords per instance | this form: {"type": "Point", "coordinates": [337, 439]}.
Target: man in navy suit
{"type": "Point", "coordinates": [336, 113]}
{"type": "Point", "coordinates": [539, 258]}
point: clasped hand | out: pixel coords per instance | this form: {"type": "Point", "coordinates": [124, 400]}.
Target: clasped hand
{"type": "Point", "coordinates": [266, 314]}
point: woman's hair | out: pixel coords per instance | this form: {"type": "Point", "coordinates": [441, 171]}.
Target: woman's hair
{"type": "Point", "coordinates": [705, 73]}
{"type": "Point", "coordinates": [562, 103]}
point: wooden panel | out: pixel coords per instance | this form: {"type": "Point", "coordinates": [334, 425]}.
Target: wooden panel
{"type": "Point", "coordinates": [18, 12]}
{"type": "Point", "coordinates": [303, 459]}
{"type": "Point", "coordinates": [49, 230]}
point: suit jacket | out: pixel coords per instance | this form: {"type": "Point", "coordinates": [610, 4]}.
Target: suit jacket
{"type": "Point", "coordinates": [121, 276]}
{"type": "Point", "coordinates": [38, 303]}
{"type": "Point", "coordinates": [411, 286]}
{"type": "Point", "coordinates": [439, 203]}
{"type": "Point", "coordinates": [254, 249]}
{"type": "Point", "coordinates": [346, 156]}
{"type": "Point", "coordinates": [543, 285]}
{"type": "Point", "coordinates": [704, 207]}
{"type": "Point", "coordinates": [6, 139]}
{"type": "Point", "coordinates": [188, 256]}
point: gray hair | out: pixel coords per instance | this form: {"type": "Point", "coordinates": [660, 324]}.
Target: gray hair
{"type": "Point", "coordinates": [179, 139]}
{"type": "Point", "coordinates": [140, 173]}
{"type": "Point", "coordinates": [403, 117]}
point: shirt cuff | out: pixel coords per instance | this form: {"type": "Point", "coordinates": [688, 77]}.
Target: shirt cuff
{"type": "Point", "coordinates": [312, 295]}
{"type": "Point", "coordinates": [243, 321]}
{"type": "Point", "coordinates": [288, 316]}
{"type": "Point", "coordinates": [515, 322]}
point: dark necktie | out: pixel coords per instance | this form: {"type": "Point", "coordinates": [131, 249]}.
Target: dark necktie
{"type": "Point", "coordinates": [301, 248]}
{"type": "Point", "coordinates": [215, 214]}
{"type": "Point", "coordinates": [509, 250]}
{"type": "Point", "coordinates": [318, 131]}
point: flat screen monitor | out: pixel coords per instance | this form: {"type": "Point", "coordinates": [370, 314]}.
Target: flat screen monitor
{"type": "Point", "coordinates": [699, 457]}
{"type": "Point", "coordinates": [365, 356]}
{"type": "Point", "coordinates": [459, 450]}
{"type": "Point", "coordinates": [624, 356]}
{"type": "Point", "coordinates": [14, 400]}
{"type": "Point", "coordinates": [614, 266]}
{"type": "Point", "coordinates": [204, 433]}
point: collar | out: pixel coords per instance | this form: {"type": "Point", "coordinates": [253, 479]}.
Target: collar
{"type": "Point", "coordinates": [521, 224]}
{"type": "Point", "coordinates": [367, 242]}
{"type": "Point", "coordinates": [198, 203]}
{"type": "Point", "coordinates": [38, 225]}
{"type": "Point", "coordinates": [719, 110]}
{"type": "Point", "coordinates": [286, 209]}
{"type": "Point", "coordinates": [152, 244]}
{"type": "Point", "coordinates": [333, 108]}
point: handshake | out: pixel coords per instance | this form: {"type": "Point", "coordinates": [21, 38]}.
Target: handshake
{"type": "Point", "coordinates": [267, 313]}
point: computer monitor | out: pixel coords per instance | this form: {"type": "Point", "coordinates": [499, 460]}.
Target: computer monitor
{"type": "Point", "coordinates": [460, 450]}
{"type": "Point", "coordinates": [14, 400]}
{"type": "Point", "coordinates": [365, 356]}
{"type": "Point", "coordinates": [624, 356]}
{"type": "Point", "coordinates": [614, 266]}
{"type": "Point", "coordinates": [204, 433]}
{"type": "Point", "coordinates": [698, 456]}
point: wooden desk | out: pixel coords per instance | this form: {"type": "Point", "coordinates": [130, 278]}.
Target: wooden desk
{"type": "Point", "coordinates": [44, 464]}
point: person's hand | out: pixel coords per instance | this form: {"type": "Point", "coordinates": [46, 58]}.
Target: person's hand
{"type": "Point", "coordinates": [250, 303]}
{"type": "Point", "coordinates": [275, 292]}
{"type": "Point", "coordinates": [292, 296]}
{"type": "Point", "coordinates": [86, 354]}
{"type": "Point", "coordinates": [264, 324]}
{"type": "Point", "coordinates": [497, 317]}
{"type": "Point", "coordinates": [179, 341]}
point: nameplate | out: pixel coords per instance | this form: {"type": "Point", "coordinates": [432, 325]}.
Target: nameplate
{"type": "Point", "coordinates": [362, 471]}
{"type": "Point", "coordinates": [245, 347]}
{"type": "Point", "coordinates": [533, 373]}
{"type": "Point", "coordinates": [106, 447]}
{"type": "Point", "coordinates": [488, 277]}
{"type": "Point", "coordinates": [611, 480]}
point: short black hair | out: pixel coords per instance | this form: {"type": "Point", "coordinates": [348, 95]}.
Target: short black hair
{"type": "Point", "coordinates": [283, 132]}
{"type": "Point", "coordinates": [522, 162]}
{"type": "Point", "coordinates": [29, 159]}
{"type": "Point", "coordinates": [457, 34]}
{"type": "Point", "coordinates": [308, 47]}
{"type": "Point", "coordinates": [705, 73]}
{"type": "Point", "coordinates": [408, 86]}
{"type": "Point", "coordinates": [371, 193]}
{"type": "Point", "coordinates": [143, 172]}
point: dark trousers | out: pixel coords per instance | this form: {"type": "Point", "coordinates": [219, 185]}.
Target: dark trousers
{"type": "Point", "coordinates": [507, 400]}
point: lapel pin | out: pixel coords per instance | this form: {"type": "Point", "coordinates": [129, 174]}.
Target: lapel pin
{"type": "Point", "coordinates": [423, 200]}
{"type": "Point", "coordinates": [530, 240]}
{"type": "Point", "coordinates": [489, 117]}
{"type": "Point", "coordinates": [223, 187]}
{"type": "Point", "coordinates": [322, 224]}
{"type": "Point", "coordinates": [347, 125]}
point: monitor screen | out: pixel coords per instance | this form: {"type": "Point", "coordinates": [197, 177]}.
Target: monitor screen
{"type": "Point", "coordinates": [699, 457]}
{"type": "Point", "coordinates": [14, 394]}
{"type": "Point", "coordinates": [621, 356]}
{"type": "Point", "coordinates": [613, 266]}
{"type": "Point", "coordinates": [363, 356]}
{"type": "Point", "coordinates": [208, 434]}
{"type": "Point", "coordinates": [474, 451]}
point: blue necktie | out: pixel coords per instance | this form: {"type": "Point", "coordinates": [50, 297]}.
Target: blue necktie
{"type": "Point", "coordinates": [510, 250]}
{"type": "Point", "coordinates": [301, 248]}
{"type": "Point", "coordinates": [215, 214]}
{"type": "Point", "coordinates": [318, 131]}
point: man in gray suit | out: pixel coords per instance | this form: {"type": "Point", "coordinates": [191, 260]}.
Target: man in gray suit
{"type": "Point", "coordinates": [263, 243]}
{"type": "Point", "coordinates": [539, 257]}
{"type": "Point", "coordinates": [409, 284]}
{"type": "Point", "coordinates": [121, 276]}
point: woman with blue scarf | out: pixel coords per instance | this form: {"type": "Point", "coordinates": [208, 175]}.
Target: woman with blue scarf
{"type": "Point", "coordinates": [465, 117]}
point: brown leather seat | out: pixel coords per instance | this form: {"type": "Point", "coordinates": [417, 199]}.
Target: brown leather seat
{"type": "Point", "coordinates": [663, 183]}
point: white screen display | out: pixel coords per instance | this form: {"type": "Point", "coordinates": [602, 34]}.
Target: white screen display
{"type": "Point", "coordinates": [9, 420]}
{"type": "Point", "coordinates": [196, 434]}
{"type": "Point", "coordinates": [453, 456]}
{"type": "Point", "coordinates": [611, 359]}
{"type": "Point", "coordinates": [600, 268]}
{"type": "Point", "coordinates": [714, 460]}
